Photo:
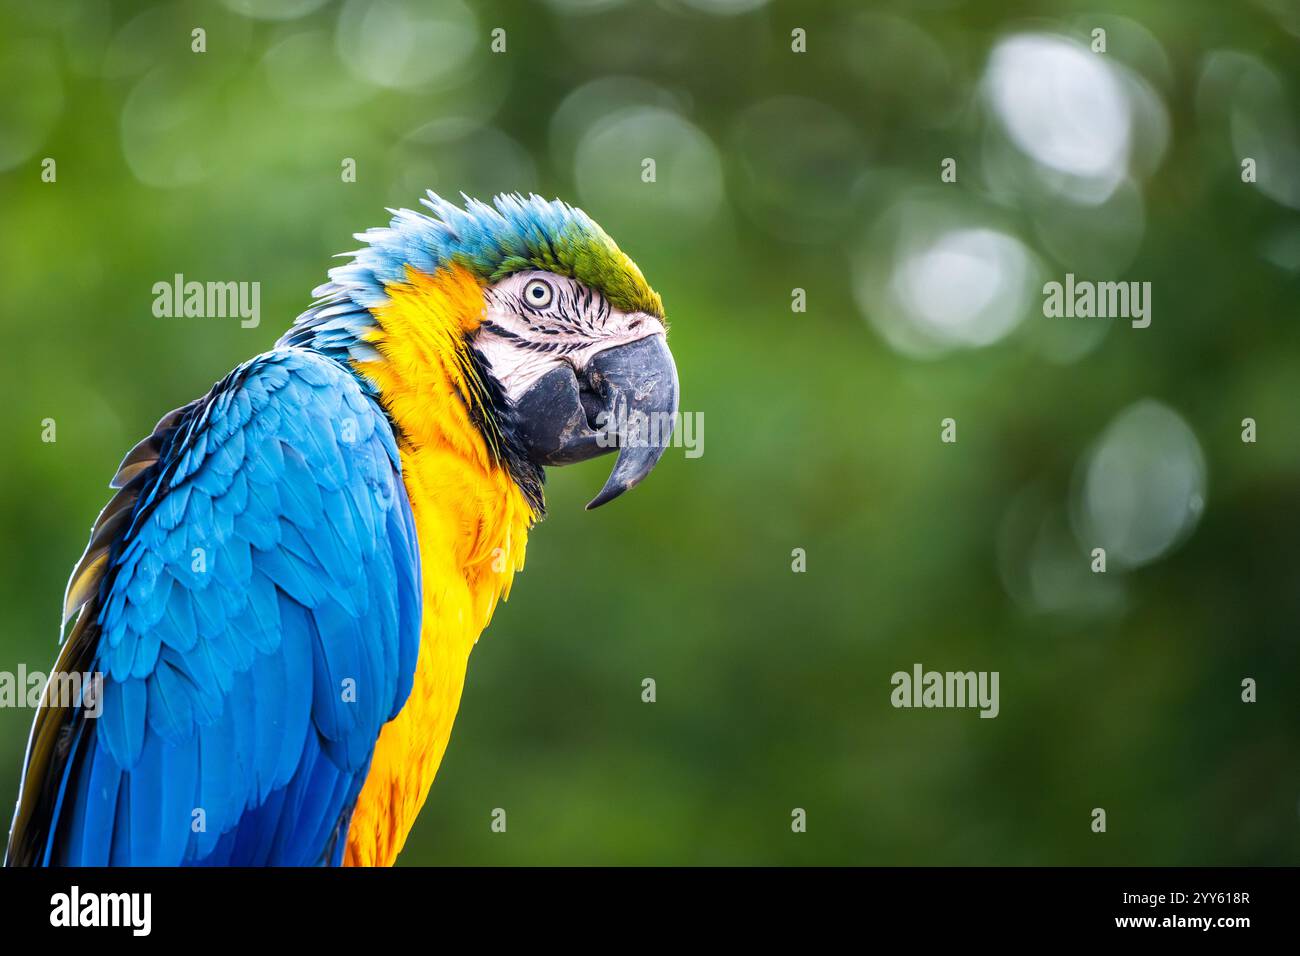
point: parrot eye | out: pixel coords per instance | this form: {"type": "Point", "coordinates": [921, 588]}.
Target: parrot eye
{"type": "Point", "coordinates": [538, 294]}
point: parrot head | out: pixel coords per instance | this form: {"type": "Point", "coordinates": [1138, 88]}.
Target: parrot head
{"type": "Point", "coordinates": [547, 333]}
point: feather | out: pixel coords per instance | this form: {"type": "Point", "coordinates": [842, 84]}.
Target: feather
{"type": "Point", "coordinates": [85, 581]}
{"type": "Point", "coordinates": [220, 674]}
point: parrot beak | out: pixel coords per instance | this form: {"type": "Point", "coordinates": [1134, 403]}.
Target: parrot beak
{"type": "Point", "coordinates": [625, 399]}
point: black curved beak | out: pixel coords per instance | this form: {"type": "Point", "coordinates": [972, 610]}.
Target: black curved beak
{"type": "Point", "coordinates": [625, 399]}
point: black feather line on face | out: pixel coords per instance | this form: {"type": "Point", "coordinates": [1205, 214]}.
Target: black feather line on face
{"type": "Point", "coordinates": [504, 422]}
{"type": "Point", "coordinates": [574, 309]}
{"type": "Point", "coordinates": [532, 345]}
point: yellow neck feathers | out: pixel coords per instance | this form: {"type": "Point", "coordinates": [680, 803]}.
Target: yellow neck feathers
{"type": "Point", "coordinates": [472, 521]}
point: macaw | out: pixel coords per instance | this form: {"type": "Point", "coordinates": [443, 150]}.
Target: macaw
{"type": "Point", "coordinates": [280, 601]}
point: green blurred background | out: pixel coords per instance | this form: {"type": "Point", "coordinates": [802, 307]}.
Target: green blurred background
{"type": "Point", "coordinates": [776, 171]}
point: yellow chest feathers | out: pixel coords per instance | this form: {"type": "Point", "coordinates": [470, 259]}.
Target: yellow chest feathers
{"type": "Point", "coordinates": [472, 521]}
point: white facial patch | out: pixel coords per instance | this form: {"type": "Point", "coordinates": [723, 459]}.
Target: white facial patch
{"type": "Point", "coordinates": [536, 321]}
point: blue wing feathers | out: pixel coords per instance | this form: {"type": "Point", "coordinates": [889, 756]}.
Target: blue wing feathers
{"type": "Point", "coordinates": [259, 624]}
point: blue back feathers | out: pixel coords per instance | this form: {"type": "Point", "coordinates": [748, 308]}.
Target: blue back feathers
{"type": "Point", "coordinates": [258, 623]}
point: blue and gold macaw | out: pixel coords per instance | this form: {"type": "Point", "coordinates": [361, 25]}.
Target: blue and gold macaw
{"type": "Point", "coordinates": [283, 594]}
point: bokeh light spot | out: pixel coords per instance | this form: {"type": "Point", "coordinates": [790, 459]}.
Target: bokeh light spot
{"type": "Point", "coordinates": [1143, 485]}
{"type": "Point", "coordinates": [405, 44]}
{"type": "Point", "coordinates": [608, 169]}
